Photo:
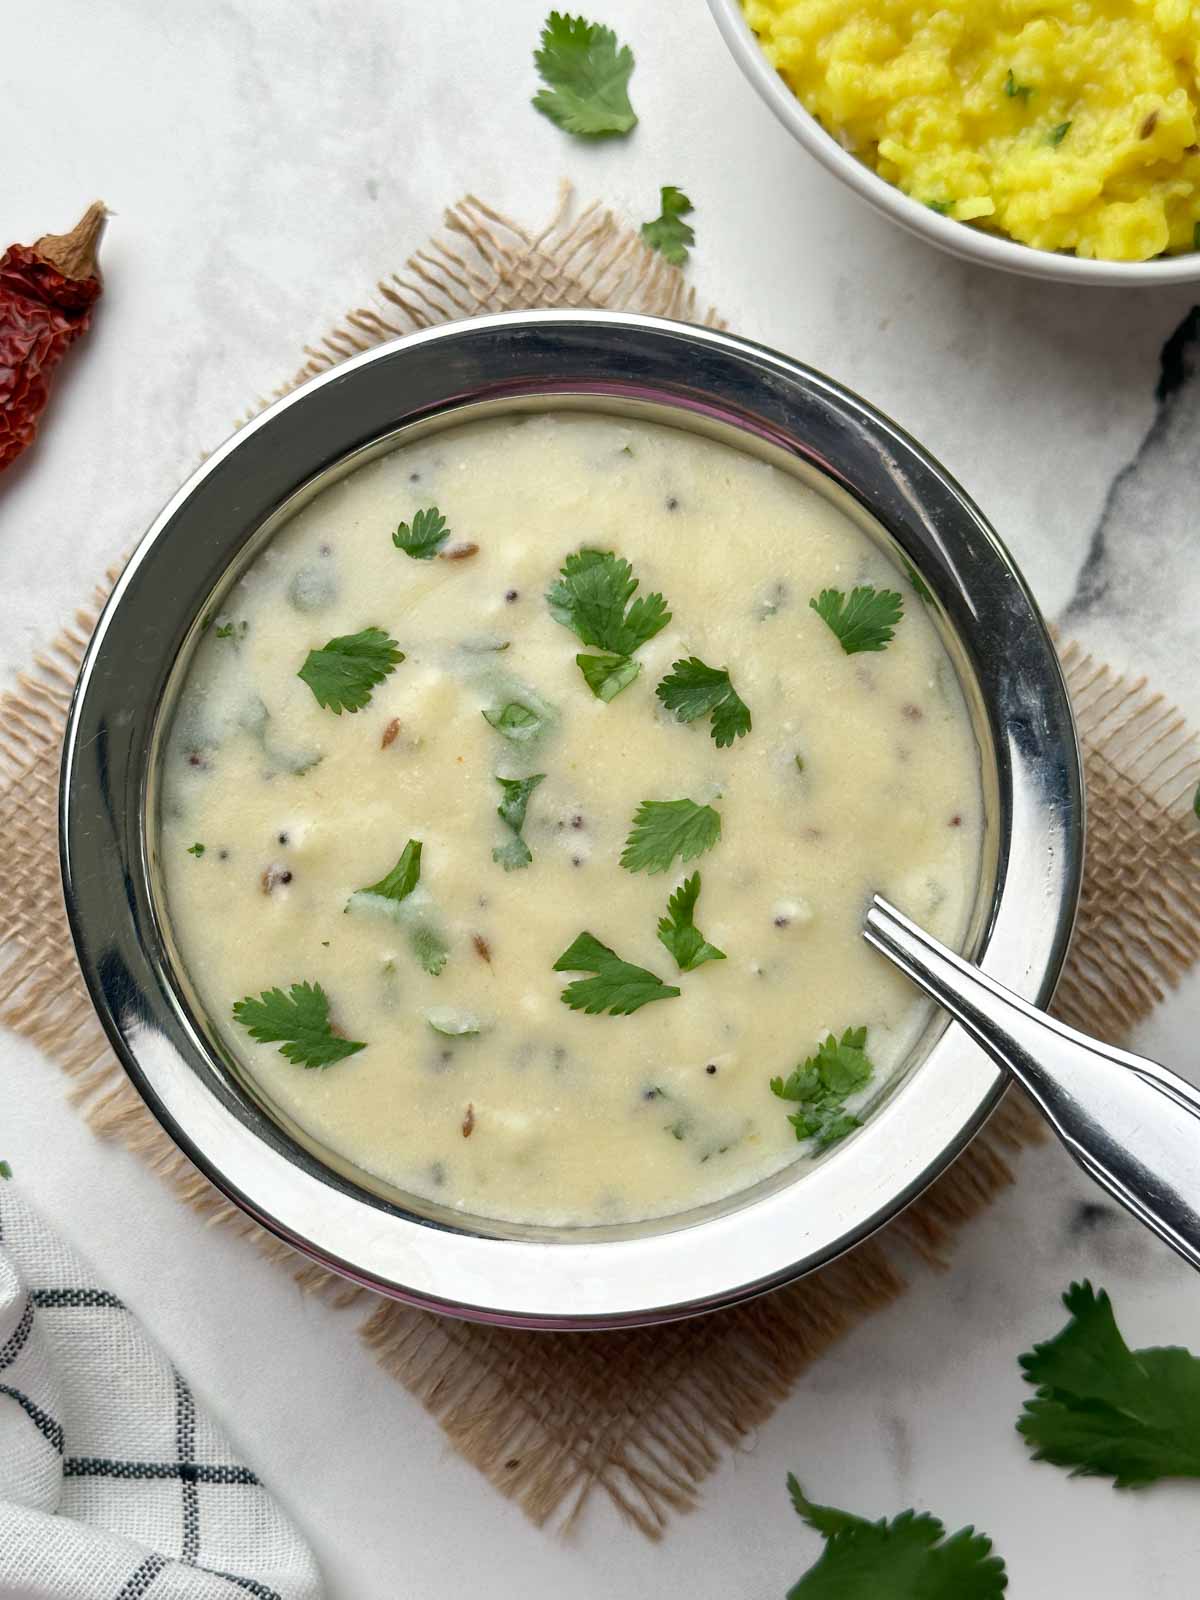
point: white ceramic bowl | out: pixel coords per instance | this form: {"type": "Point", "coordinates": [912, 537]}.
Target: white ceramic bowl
{"type": "Point", "coordinates": [959, 238]}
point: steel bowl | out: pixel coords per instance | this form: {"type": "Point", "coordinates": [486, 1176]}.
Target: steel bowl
{"type": "Point", "coordinates": [586, 1277]}
{"type": "Point", "coordinates": [958, 238]}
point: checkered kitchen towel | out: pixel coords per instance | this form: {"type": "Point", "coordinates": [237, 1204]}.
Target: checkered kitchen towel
{"type": "Point", "coordinates": [114, 1485]}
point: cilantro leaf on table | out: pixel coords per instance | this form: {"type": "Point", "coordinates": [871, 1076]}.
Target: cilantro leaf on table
{"type": "Point", "coordinates": [606, 675]}
{"type": "Point", "coordinates": [586, 76]}
{"type": "Point", "coordinates": [618, 988]}
{"type": "Point", "coordinates": [404, 876]}
{"type": "Point", "coordinates": [664, 829]}
{"type": "Point", "coordinates": [693, 690]}
{"type": "Point", "coordinates": [299, 1022]}
{"type": "Point", "coordinates": [511, 810]}
{"type": "Point", "coordinates": [5, 1170]}
{"type": "Point", "coordinates": [1105, 1410]}
{"type": "Point", "coordinates": [822, 1085]}
{"type": "Point", "coordinates": [678, 930]}
{"type": "Point", "coordinates": [343, 673]}
{"type": "Point", "coordinates": [591, 596]}
{"type": "Point", "coordinates": [517, 721]}
{"type": "Point", "coordinates": [908, 1558]}
{"type": "Point", "coordinates": [668, 233]}
{"type": "Point", "coordinates": [425, 537]}
{"type": "Point", "coordinates": [866, 621]}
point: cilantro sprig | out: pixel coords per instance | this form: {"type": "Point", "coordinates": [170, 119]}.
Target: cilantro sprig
{"type": "Point", "coordinates": [404, 876]}
{"type": "Point", "coordinates": [1105, 1410]}
{"type": "Point", "coordinates": [592, 596]}
{"type": "Point", "coordinates": [691, 689]}
{"type": "Point", "coordinates": [866, 621]}
{"type": "Point", "coordinates": [908, 1558]}
{"type": "Point", "coordinates": [298, 1022]}
{"type": "Point", "coordinates": [425, 537]}
{"type": "Point", "coordinates": [822, 1084]}
{"type": "Point", "coordinates": [511, 811]}
{"type": "Point", "coordinates": [668, 233]}
{"type": "Point", "coordinates": [678, 930]}
{"type": "Point", "coordinates": [343, 672]}
{"type": "Point", "coordinates": [618, 987]}
{"type": "Point", "coordinates": [586, 76]}
{"type": "Point", "coordinates": [664, 829]}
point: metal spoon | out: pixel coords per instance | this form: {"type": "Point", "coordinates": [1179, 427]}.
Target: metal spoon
{"type": "Point", "coordinates": [1129, 1123]}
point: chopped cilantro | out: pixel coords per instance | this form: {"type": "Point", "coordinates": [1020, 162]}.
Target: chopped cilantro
{"type": "Point", "coordinates": [1015, 90]}
{"type": "Point", "coordinates": [668, 233]}
{"type": "Point", "coordinates": [587, 77]}
{"type": "Point", "coordinates": [518, 722]}
{"type": "Point", "coordinates": [942, 207]}
{"type": "Point", "coordinates": [908, 1558]}
{"type": "Point", "coordinates": [591, 596]}
{"type": "Point", "coordinates": [1196, 796]}
{"type": "Point", "coordinates": [196, 850]}
{"type": "Point", "coordinates": [821, 1087]}
{"type": "Point", "coordinates": [343, 673]}
{"type": "Point", "coordinates": [618, 987]}
{"type": "Point", "coordinates": [429, 948]}
{"type": "Point", "coordinates": [864, 622]}
{"type": "Point", "coordinates": [5, 1170]}
{"type": "Point", "coordinates": [1057, 135]}
{"type": "Point", "coordinates": [225, 631]}
{"type": "Point", "coordinates": [511, 810]}
{"type": "Point", "coordinates": [454, 1023]}
{"type": "Point", "coordinates": [425, 537]}
{"type": "Point", "coordinates": [1105, 1410]}
{"type": "Point", "coordinates": [607, 675]}
{"type": "Point", "coordinates": [693, 690]}
{"type": "Point", "coordinates": [664, 829]}
{"type": "Point", "coordinates": [678, 930]}
{"type": "Point", "coordinates": [299, 1022]}
{"type": "Point", "coordinates": [404, 876]}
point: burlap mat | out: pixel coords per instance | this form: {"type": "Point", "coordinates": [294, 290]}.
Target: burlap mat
{"type": "Point", "coordinates": [643, 1415]}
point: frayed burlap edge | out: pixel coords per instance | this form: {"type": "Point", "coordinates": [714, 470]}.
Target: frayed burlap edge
{"type": "Point", "coordinates": [642, 1414]}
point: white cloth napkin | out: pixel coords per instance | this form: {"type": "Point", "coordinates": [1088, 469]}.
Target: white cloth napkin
{"type": "Point", "coordinates": [114, 1484]}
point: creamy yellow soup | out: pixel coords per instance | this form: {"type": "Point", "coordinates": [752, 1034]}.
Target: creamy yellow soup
{"type": "Point", "coordinates": [361, 852]}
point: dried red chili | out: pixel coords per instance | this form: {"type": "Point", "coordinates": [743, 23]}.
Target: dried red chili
{"type": "Point", "coordinates": [47, 292]}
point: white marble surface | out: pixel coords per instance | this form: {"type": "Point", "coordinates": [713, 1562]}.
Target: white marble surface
{"type": "Point", "coordinates": [266, 161]}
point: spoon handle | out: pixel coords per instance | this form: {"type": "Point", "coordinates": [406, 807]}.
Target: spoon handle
{"type": "Point", "coordinates": [1129, 1123]}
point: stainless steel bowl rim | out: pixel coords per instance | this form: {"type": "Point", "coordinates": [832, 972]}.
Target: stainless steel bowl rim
{"type": "Point", "coordinates": [700, 374]}
{"type": "Point", "coordinates": [957, 238]}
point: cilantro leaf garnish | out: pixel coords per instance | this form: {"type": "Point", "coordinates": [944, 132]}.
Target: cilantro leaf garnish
{"type": "Point", "coordinates": [517, 721]}
{"type": "Point", "coordinates": [693, 690]}
{"type": "Point", "coordinates": [430, 949]}
{"type": "Point", "coordinates": [5, 1170]}
{"type": "Point", "coordinates": [607, 675]}
{"type": "Point", "coordinates": [425, 537]}
{"type": "Point", "coordinates": [864, 622]}
{"type": "Point", "coordinates": [342, 674]}
{"type": "Point", "coordinates": [299, 1022]}
{"type": "Point", "coordinates": [618, 987]}
{"type": "Point", "coordinates": [822, 1084]}
{"type": "Point", "coordinates": [196, 850]}
{"type": "Point", "coordinates": [511, 810]}
{"type": "Point", "coordinates": [404, 876]}
{"type": "Point", "coordinates": [587, 77]}
{"type": "Point", "coordinates": [678, 930]}
{"type": "Point", "coordinates": [1105, 1410]}
{"type": "Point", "coordinates": [668, 233]}
{"type": "Point", "coordinates": [591, 596]}
{"type": "Point", "coordinates": [1057, 135]}
{"type": "Point", "coordinates": [664, 829]}
{"type": "Point", "coordinates": [908, 1558]}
